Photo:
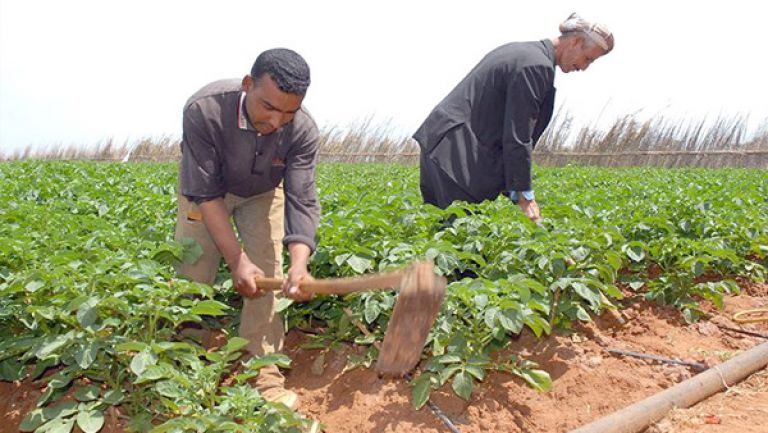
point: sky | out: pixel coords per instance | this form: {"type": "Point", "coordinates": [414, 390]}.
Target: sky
{"type": "Point", "coordinates": [79, 72]}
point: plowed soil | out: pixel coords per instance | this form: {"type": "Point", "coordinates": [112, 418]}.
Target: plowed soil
{"type": "Point", "coordinates": [588, 382]}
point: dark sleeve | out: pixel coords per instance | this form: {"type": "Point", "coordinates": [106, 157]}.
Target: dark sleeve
{"type": "Point", "coordinates": [302, 207]}
{"type": "Point", "coordinates": [200, 172]}
{"type": "Point", "coordinates": [526, 93]}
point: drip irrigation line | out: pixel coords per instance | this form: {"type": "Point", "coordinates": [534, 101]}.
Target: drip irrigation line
{"type": "Point", "coordinates": [697, 366]}
{"type": "Point", "coordinates": [743, 331]}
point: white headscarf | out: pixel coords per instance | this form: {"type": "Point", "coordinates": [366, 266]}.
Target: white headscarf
{"type": "Point", "coordinates": [598, 33]}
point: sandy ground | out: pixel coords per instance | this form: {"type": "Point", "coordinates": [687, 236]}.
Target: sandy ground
{"type": "Point", "coordinates": [588, 382]}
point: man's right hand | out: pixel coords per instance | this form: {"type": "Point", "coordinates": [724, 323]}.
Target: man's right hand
{"type": "Point", "coordinates": [529, 208]}
{"type": "Point", "coordinates": [243, 273]}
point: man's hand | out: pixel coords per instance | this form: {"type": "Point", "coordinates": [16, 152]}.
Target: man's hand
{"type": "Point", "coordinates": [297, 273]}
{"type": "Point", "coordinates": [529, 208]}
{"type": "Point", "coordinates": [291, 284]}
{"type": "Point", "coordinates": [243, 272]}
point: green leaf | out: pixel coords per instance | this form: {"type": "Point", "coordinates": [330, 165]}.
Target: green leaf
{"type": "Point", "coordinates": [60, 379]}
{"type": "Point", "coordinates": [422, 387]}
{"type": "Point", "coordinates": [277, 359]}
{"type": "Point", "coordinates": [476, 371]}
{"type": "Point", "coordinates": [537, 379]}
{"type": "Point", "coordinates": [447, 372]}
{"type": "Point", "coordinates": [87, 355]}
{"type": "Point", "coordinates": [169, 389]}
{"type": "Point", "coordinates": [60, 410]}
{"type": "Point", "coordinates": [582, 314]}
{"type": "Point", "coordinates": [33, 420]}
{"type": "Point", "coordinates": [364, 340]}
{"type": "Point", "coordinates": [155, 372]}
{"type": "Point", "coordinates": [282, 304]}
{"type": "Point", "coordinates": [462, 385]}
{"type": "Point", "coordinates": [87, 393]}
{"type": "Point", "coordinates": [210, 307]}
{"type": "Point", "coordinates": [90, 421]}
{"type": "Point", "coordinates": [11, 370]}
{"type": "Point", "coordinates": [589, 295]}
{"type": "Point", "coordinates": [557, 267]}
{"type": "Point", "coordinates": [131, 346]}
{"type": "Point", "coordinates": [489, 317]}
{"type": "Point", "coordinates": [511, 320]}
{"type": "Point", "coordinates": [614, 260]}
{"type": "Point", "coordinates": [359, 264]}
{"type": "Point", "coordinates": [86, 312]}
{"type": "Point", "coordinates": [448, 359]}
{"type": "Point", "coordinates": [613, 291]}
{"type": "Point", "coordinates": [635, 251]}
{"type": "Point", "coordinates": [697, 268]}
{"type": "Point", "coordinates": [538, 324]}
{"type": "Point", "coordinates": [53, 344]}
{"type": "Point", "coordinates": [535, 286]}
{"type": "Point", "coordinates": [690, 316]}
{"type": "Point", "coordinates": [372, 310]}
{"type": "Point", "coordinates": [142, 360]}
{"type": "Point", "coordinates": [233, 345]}
{"type": "Point", "coordinates": [34, 286]}
{"type": "Point", "coordinates": [165, 254]}
{"type": "Point", "coordinates": [481, 301]}
{"type": "Point", "coordinates": [58, 425]}
{"type": "Point", "coordinates": [141, 422]}
{"type": "Point", "coordinates": [45, 396]}
{"type": "Point", "coordinates": [113, 397]}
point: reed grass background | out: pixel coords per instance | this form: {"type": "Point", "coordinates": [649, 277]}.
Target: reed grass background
{"type": "Point", "coordinates": [659, 141]}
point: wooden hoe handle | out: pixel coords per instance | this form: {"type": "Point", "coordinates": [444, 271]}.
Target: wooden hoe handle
{"type": "Point", "coordinates": [339, 286]}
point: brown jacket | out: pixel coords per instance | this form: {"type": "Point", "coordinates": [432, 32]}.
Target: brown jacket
{"type": "Point", "coordinates": [222, 153]}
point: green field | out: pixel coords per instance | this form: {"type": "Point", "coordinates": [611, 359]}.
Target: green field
{"type": "Point", "coordinates": [90, 302]}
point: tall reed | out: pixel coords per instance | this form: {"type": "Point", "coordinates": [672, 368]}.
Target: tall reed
{"type": "Point", "coordinates": [628, 141]}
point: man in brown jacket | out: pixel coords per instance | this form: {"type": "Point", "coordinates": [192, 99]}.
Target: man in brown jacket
{"type": "Point", "coordinates": [477, 142]}
{"type": "Point", "coordinates": [248, 155]}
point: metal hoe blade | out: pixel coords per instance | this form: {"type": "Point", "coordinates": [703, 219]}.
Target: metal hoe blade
{"type": "Point", "coordinates": [421, 295]}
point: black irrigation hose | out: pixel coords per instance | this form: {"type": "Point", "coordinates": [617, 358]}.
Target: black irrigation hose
{"type": "Point", "coordinates": [743, 331]}
{"type": "Point", "coordinates": [697, 366]}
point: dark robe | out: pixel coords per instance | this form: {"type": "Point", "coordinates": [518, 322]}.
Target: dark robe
{"type": "Point", "coordinates": [477, 142]}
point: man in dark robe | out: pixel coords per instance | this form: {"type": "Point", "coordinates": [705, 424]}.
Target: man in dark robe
{"type": "Point", "coordinates": [477, 142]}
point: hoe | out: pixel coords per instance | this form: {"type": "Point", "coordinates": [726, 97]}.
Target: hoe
{"type": "Point", "coordinates": [417, 305]}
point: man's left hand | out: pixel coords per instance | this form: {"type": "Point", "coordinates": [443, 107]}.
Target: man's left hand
{"type": "Point", "coordinates": [291, 284]}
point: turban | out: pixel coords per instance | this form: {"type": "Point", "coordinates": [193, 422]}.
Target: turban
{"type": "Point", "coordinates": [598, 33]}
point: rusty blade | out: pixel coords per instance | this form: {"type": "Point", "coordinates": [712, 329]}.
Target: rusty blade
{"type": "Point", "coordinates": [421, 295]}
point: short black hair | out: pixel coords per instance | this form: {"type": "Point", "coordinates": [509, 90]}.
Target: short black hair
{"type": "Point", "coordinates": [286, 67]}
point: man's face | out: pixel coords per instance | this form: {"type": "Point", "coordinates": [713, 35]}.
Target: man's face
{"type": "Point", "coordinates": [577, 57]}
{"type": "Point", "coordinates": [268, 107]}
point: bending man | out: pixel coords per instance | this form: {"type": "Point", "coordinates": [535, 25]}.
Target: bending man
{"type": "Point", "coordinates": [477, 142]}
{"type": "Point", "coordinates": [248, 154]}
